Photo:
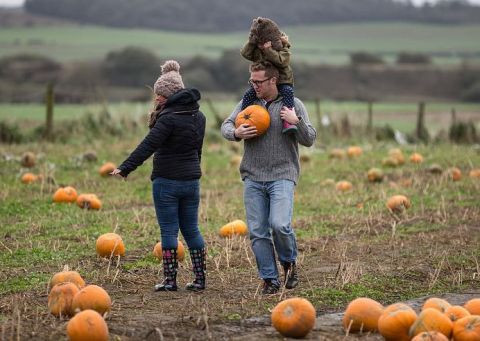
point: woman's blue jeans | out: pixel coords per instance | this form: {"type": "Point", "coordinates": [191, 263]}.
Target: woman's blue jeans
{"type": "Point", "coordinates": [176, 205]}
{"type": "Point", "coordinates": [269, 209]}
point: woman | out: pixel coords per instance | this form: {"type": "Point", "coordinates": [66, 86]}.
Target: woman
{"type": "Point", "coordinates": [177, 128]}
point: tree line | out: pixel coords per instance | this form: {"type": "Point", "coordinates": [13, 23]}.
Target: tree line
{"type": "Point", "coordinates": [229, 15]}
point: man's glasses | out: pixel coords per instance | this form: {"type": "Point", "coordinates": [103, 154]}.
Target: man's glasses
{"type": "Point", "coordinates": [258, 83]}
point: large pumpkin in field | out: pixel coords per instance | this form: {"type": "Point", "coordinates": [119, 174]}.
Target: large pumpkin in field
{"type": "Point", "coordinates": [67, 276]}
{"type": "Point", "coordinates": [395, 322]}
{"type": "Point", "coordinates": [255, 116]}
{"type": "Point", "coordinates": [65, 194]}
{"type": "Point", "coordinates": [110, 244]}
{"type": "Point", "coordinates": [432, 320]}
{"type": "Point", "coordinates": [92, 297]}
{"type": "Point", "coordinates": [60, 299]}
{"type": "Point", "coordinates": [294, 317]}
{"type": "Point", "coordinates": [87, 325]}
{"type": "Point", "coordinates": [467, 328]}
{"type": "Point", "coordinates": [362, 314]}
{"type": "Point", "coordinates": [157, 251]}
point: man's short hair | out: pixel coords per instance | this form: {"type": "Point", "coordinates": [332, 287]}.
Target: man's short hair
{"type": "Point", "coordinates": [269, 68]}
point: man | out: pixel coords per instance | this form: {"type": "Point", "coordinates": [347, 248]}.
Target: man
{"type": "Point", "coordinates": [270, 168]}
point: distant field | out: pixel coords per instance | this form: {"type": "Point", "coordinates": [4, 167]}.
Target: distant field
{"type": "Point", "coordinates": [401, 116]}
{"type": "Point", "coordinates": [330, 43]}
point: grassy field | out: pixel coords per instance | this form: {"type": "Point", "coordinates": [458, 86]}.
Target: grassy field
{"type": "Point", "coordinates": [330, 43]}
{"type": "Point", "coordinates": [350, 245]}
{"type": "Point", "coordinates": [401, 116]}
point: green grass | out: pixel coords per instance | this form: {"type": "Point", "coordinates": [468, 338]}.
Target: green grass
{"type": "Point", "coordinates": [328, 43]}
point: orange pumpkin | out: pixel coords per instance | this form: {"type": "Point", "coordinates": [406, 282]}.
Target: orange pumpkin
{"type": "Point", "coordinates": [107, 168]}
{"type": "Point", "coordinates": [65, 194]}
{"type": "Point", "coordinates": [28, 178]}
{"type": "Point", "coordinates": [416, 158]}
{"type": "Point", "coordinates": [473, 306]}
{"type": "Point", "coordinates": [354, 151]}
{"type": "Point", "coordinates": [390, 162]}
{"type": "Point", "coordinates": [337, 153]}
{"type": "Point", "coordinates": [436, 303]}
{"type": "Point", "coordinates": [375, 175]}
{"type": "Point", "coordinates": [92, 297]}
{"type": "Point", "coordinates": [294, 317]}
{"type": "Point", "coordinates": [28, 159]}
{"type": "Point", "coordinates": [456, 312]}
{"type": "Point", "coordinates": [60, 299]}
{"type": "Point", "coordinates": [475, 173]}
{"type": "Point", "coordinates": [110, 244]}
{"type": "Point", "coordinates": [455, 174]}
{"type": "Point", "coordinates": [398, 203]}
{"type": "Point", "coordinates": [255, 116]}
{"type": "Point", "coordinates": [236, 227]}
{"type": "Point", "coordinates": [430, 336]}
{"type": "Point", "coordinates": [362, 314]}
{"type": "Point", "coordinates": [397, 155]}
{"type": "Point", "coordinates": [87, 325]}
{"type": "Point", "coordinates": [67, 276]}
{"type": "Point", "coordinates": [343, 186]}
{"type": "Point", "coordinates": [467, 328]}
{"type": "Point", "coordinates": [431, 320]}
{"type": "Point", "coordinates": [157, 251]}
{"type": "Point", "coordinates": [89, 201]}
{"type": "Point", "coordinates": [395, 322]}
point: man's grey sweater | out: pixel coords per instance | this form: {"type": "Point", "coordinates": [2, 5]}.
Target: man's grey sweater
{"type": "Point", "coordinates": [273, 155]}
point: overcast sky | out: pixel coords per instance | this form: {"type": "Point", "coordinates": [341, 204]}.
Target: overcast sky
{"type": "Point", "coordinates": [20, 2]}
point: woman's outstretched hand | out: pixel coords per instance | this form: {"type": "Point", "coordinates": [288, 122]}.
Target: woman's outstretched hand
{"type": "Point", "coordinates": [118, 173]}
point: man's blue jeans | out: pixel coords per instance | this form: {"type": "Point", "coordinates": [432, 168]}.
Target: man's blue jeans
{"type": "Point", "coordinates": [176, 206]}
{"type": "Point", "coordinates": [269, 209]}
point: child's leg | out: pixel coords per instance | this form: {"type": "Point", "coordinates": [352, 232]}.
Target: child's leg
{"type": "Point", "coordinates": [249, 98]}
{"type": "Point", "coordinates": [286, 91]}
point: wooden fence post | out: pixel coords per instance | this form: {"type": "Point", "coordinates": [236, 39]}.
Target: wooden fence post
{"type": "Point", "coordinates": [49, 100]}
{"type": "Point", "coordinates": [370, 117]}
{"type": "Point", "coordinates": [421, 131]}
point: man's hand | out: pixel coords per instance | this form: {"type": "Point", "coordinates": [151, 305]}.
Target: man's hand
{"type": "Point", "coordinates": [289, 115]}
{"type": "Point", "coordinates": [118, 173]}
{"type": "Point", "coordinates": [245, 132]}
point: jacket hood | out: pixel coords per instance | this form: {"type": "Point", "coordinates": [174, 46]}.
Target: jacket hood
{"type": "Point", "coordinates": [187, 97]}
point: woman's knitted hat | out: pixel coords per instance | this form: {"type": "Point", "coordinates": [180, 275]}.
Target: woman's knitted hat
{"type": "Point", "coordinates": [170, 81]}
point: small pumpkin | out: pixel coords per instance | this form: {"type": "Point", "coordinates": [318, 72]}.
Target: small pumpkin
{"type": "Point", "coordinates": [430, 336]}
{"type": "Point", "coordinates": [362, 314]}
{"type": "Point", "coordinates": [395, 322]}
{"type": "Point", "coordinates": [473, 306]}
{"type": "Point", "coordinates": [60, 299]}
{"type": "Point", "coordinates": [236, 227]}
{"type": "Point", "coordinates": [92, 297]}
{"type": "Point", "coordinates": [398, 203]}
{"type": "Point", "coordinates": [390, 162]}
{"type": "Point", "coordinates": [455, 174]}
{"type": "Point", "coordinates": [416, 158]}
{"type": "Point", "coordinates": [397, 155]}
{"type": "Point", "coordinates": [343, 186]}
{"type": "Point", "coordinates": [436, 303]}
{"type": "Point", "coordinates": [255, 116]}
{"type": "Point", "coordinates": [28, 159]}
{"type": "Point", "coordinates": [157, 251]}
{"type": "Point", "coordinates": [456, 312]}
{"type": "Point", "coordinates": [107, 168]}
{"type": "Point", "coordinates": [294, 317]}
{"type": "Point", "coordinates": [375, 175]}
{"type": "Point", "coordinates": [28, 178]}
{"type": "Point", "coordinates": [475, 173]}
{"type": "Point", "coordinates": [429, 320]}
{"type": "Point", "coordinates": [354, 151]}
{"type": "Point", "coordinates": [467, 328]}
{"type": "Point", "coordinates": [89, 201]}
{"type": "Point", "coordinates": [65, 194]}
{"type": "Point", "coordinates": [337, 153]}
{"type": "Point", "coordinates": [110, 244]}
{"type": "Point", "coordinates": [67, 276]}
{"type": "Point", "coordinates": [87, 325]}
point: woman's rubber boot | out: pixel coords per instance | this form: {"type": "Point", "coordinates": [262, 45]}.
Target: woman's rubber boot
{"type": "Point", "coordinates": [198, 257]}
{"type": "Point", "coordinates": [170, 266]}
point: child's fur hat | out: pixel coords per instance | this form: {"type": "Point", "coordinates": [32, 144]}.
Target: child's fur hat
{"type": "Point", "coordinates": [170, 81]}
{"type": "Point", "coordinates": [263, 30]}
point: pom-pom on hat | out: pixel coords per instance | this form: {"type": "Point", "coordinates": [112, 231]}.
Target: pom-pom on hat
{"type": "Point", "coordinates": [170, 81]}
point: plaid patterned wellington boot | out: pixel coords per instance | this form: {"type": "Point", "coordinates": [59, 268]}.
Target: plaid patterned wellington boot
{"type": "Point", "coordinates": [198, 257]}
{"type": "Point", "coordinates": [170, 266]}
